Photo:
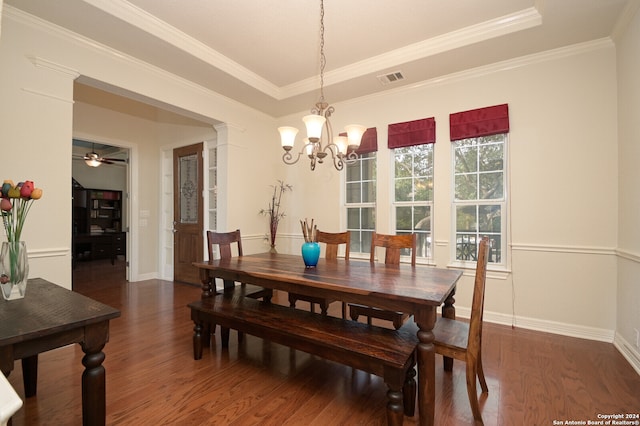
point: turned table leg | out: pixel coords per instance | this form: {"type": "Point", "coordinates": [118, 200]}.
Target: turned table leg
{"type": "Point", "coordinates": [94, 376]}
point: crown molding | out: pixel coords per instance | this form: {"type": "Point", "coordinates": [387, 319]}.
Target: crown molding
{"type": "Point", "coordinates": [50, 65]}
{"type": "Point", "coordinates": [507, 24]}
{"type": "Point", "coordinates": [625, 19]}
{"type": "Point", "coordinates": [139, 18]}
{"type": "Point", "coordinates": [54, 30]}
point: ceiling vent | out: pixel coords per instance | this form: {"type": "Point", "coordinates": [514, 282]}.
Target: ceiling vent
{"type": "Point", "coordinates": [393, 77]}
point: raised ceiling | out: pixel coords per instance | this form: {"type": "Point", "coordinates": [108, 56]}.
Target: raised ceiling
{"type": "Point", "coordinates": [264, 53]}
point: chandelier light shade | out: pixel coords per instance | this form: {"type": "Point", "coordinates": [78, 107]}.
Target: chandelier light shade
{"type": "Point", "coordinates": [287, 137]}
{"type": "Point", "coordinates": [318, 144]}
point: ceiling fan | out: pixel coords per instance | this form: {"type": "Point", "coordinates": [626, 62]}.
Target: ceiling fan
{"type": "Point", "coordinates": [93, 159]}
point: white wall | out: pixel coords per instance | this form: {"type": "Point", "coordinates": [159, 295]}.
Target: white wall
{"type": "Point", "coordinates": [628, 298]}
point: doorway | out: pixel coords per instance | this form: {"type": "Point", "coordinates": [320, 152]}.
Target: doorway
{"type": "Point", "coordinates": [188, 189]}
{"type": "Point", "coordinates": [100, 207]}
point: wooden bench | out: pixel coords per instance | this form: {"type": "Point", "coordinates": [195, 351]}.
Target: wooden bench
{"type": "Point", "coordinates": [387, 353]}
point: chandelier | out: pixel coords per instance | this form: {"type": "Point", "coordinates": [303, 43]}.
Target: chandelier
{"type": "Point", "coordinates": [319, 145]}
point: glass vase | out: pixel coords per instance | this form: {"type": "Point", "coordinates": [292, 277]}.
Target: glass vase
{"type": "Point", "coordinates": [14, 269]}
{"type": "Point", "coordinates": [310, 254]}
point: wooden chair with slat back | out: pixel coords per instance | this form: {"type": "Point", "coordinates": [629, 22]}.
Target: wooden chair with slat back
{"type": "Point", "coordinates": [224, 242]}
{"type": "Point", "coordinates": [393, 245]}
{"type": "Point", "coordinates": [463, 340]}
{"type": "Point", "coordinates": [332, 241]}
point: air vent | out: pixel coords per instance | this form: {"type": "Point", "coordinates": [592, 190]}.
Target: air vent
{"type": "Point", "coordinates": [391, 77]}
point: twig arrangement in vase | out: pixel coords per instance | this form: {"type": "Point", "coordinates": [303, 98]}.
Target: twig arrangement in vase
{"type": "Point", "coordinates": [274, 212]}
{"type": "Point", "coordinates": [309, 231]}
{"type": "Point", "coordinates": [310, 248]}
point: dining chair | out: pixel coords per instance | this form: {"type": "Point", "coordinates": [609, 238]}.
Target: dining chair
{"type": "Point", "coordinates": [224, 242]}
{"type": "Point", "coordinates": [332, 241]}
{"type": "Point", "coordinates": [463, 340]}
{"type": "Point", "coordinates": [393, 245]}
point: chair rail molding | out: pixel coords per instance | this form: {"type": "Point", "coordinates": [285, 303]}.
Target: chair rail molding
{"type": "Point", "coordinates": [629, 255]}
{"type": "Point", "coordinates": [594, 250]}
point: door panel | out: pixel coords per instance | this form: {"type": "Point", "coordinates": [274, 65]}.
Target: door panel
{"type": "Point", "coordinates": [187, 212]}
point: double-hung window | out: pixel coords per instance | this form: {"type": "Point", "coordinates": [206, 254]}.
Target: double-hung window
{"type": "Point", "coordinates": [360, 194]}
{"type": "Point", "coordinates": [479, 182]}
{"type": "Point", "coordinates": [412, 146]}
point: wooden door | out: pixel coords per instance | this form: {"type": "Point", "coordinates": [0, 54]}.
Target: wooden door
{"type": "Point", "coordinates": [188, 231]}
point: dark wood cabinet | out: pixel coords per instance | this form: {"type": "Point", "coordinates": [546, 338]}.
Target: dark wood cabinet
{"type": "Point", "coordinates": [97, 224]}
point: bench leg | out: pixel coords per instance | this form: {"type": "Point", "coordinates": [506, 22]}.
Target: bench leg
{"type": "Point", "coordinates": [224, 336]}
{"type": "Point", "coordinates": [449, 311]}
{"type": "Point", "coordinates": [395, 411]}
{"type": "Point", "coordinates": [409, 393]}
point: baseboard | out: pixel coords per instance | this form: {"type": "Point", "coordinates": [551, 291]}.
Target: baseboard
{"type": "Point", "coordinates": [564, 329]}
{"type": "Point", "coordinates": [144, 277]}
{"type": "Point", "coordinates": [627, 350]}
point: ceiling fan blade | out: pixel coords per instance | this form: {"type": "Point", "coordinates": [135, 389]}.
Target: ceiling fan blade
{"type": "Point", "coordinates": [123, 160]}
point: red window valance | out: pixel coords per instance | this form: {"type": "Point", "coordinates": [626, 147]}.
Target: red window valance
{"type": "Point", "coordinates": [479, 122]}
{"type": "Point", "coordinates": [369, 141]}
{"type": "Point", "coordinates": [410, 133]}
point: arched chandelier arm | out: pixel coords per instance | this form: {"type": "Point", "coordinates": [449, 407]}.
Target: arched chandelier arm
{"type": "Point", "coordinates": [288, 158]}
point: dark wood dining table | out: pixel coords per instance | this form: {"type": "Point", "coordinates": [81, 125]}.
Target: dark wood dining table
{"type": "Point", "coordinates": [50, 317]}
{"type": "Point", "coordinates": [417, 290]}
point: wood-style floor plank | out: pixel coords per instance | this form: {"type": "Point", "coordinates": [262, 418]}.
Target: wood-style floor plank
{"type": "Point", "coordinates": [152, 379]}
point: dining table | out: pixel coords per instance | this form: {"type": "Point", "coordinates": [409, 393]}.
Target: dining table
{"type": "Point", "coordinates": [417, 290]}
{"type": "Point", "coordinates": [48, 317]}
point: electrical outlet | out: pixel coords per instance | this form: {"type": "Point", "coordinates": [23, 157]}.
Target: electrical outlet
{"type": "Point", "coordinates": [637, 337]}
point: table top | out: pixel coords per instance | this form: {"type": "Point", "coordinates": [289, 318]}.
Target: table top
{"type": "Point", "coordinates": [351, 281]}
{"type": "Point", "coordinates": [48, 309]}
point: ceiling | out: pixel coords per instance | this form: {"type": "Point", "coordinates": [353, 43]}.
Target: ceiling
{"type": "Point", "coordinates": [265, 53]}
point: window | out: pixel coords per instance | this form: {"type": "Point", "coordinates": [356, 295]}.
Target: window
{"type": "Point", "coordinates": [479, 202]}
{"type": "Point", "coordinates": [413, 195]}
{"type": "Point", "coordinates": [361, 201]}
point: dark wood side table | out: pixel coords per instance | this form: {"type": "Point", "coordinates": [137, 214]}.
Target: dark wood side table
{"type": "Point", "coordinates": [50, 317]}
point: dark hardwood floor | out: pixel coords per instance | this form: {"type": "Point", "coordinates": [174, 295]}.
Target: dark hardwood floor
{"type": "Point", "coordinates": [534, 378]}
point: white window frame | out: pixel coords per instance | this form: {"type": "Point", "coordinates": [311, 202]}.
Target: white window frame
{"type": "Point", "coordinates": [503, 264]}
{"type": "Point", "coordinates": [413, 203]}
{"type": "Point", "coordinates": [356, 233]}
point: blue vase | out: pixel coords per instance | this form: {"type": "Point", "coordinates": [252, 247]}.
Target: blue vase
{"type": "Point", "coordinates": [310, 254]}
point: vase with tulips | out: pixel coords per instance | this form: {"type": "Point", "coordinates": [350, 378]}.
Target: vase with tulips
{"type": "Point", "coordinates": [15, 202]}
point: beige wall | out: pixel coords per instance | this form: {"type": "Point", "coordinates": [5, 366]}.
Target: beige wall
{"type": "Point", "coordinates": [628, 292]}
{"type": "Point", "coordinates": [563, 180]}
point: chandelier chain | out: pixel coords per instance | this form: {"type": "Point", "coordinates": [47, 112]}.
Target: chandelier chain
{"type": "Point", "coordinates": [323, 59]}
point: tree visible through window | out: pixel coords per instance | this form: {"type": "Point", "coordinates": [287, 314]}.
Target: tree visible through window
{"type": "Point", "coordinates": [413, 199]}
{"type": "Point", "coordinates": [479, 195]}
